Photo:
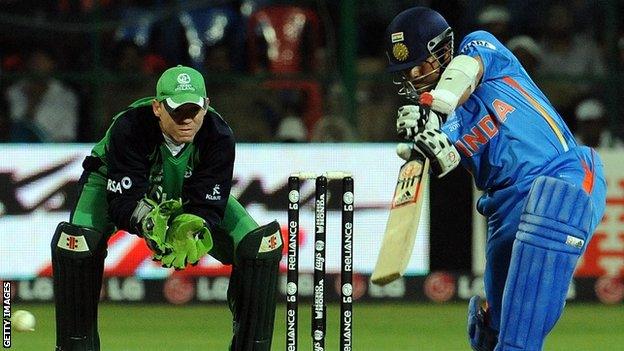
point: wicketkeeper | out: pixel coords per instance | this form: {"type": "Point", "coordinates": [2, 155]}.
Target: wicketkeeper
{"type": "Point", "coordinates": [164, 171]}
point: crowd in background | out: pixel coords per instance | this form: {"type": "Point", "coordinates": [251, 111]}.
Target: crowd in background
{"type": "Point", "coordinates": [272, 68]}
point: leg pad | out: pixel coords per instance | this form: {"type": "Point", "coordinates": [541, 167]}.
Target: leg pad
{"type": "Point", "coordinates": [253, 286]}
{"type": "Point", "coordinates": [78, 264]}
{"type": "Point", "coordinates": [553, 232]}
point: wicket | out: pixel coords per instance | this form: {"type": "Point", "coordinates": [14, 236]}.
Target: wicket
{"type": "Point", "coordinates": [319, 308]}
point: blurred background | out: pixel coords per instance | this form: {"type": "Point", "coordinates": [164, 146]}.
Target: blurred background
{"type": "Point", "coordinates": [302, 84]}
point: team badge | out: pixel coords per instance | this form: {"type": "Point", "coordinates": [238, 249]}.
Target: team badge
{"type": "Point", "coordinates": [400, 52]}
{"type": "Point", "coordinates": [184, 78]}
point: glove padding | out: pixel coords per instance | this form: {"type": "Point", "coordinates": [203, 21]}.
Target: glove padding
{"type": "Point", "coordinates": [436, 146]}
{"type": "Point", "coordinates": [414, 119]}
{"type": "Point", "coordinates": [153, 225]}
{"type": "Point", "coordinates": [480, 335]}
{"type": "Point", "coordinates": [189, 240]}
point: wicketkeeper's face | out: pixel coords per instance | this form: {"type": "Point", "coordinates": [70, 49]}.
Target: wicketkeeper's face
{"type": "Point", "coordinates": [182, 124]}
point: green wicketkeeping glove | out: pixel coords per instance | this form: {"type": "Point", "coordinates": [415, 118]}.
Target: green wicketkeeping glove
{"type": "Point", "coordinates": [188, 239]}
{"type": "Point", "coordinates": [154, 224]}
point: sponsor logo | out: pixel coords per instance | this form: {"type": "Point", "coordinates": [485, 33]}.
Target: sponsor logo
{"type": "Point", "coordinates": [72, 243]}
{"type": "Point", "coordinates": [440, 287]}
{"type": "Point", "coordinates": [125, 289]}
{"type": "Point", "coordinates": [319, 300]}
{"type": "Point", "coordinates": [397, 37]}
{"type": "Point", "coordinates": [347, 198]}
{"type": "Point", "coordinates": [609, 290]}
{"type": "Point", "coordinates": [271, 242]}
{"type": "Point", "coordinates": [216, 193]}
{"type": "Point", "coordinates": [347, 289]}
{"type": "Point", "coordinates": [126, 183]}
{"type": "Point", "coordinates": [118, 187]}
{"type": "Point", "coordinates": [293, 196]}
{"type": "Point", "coordinates": [290, 329]}
{"type": "Point", "coordinates": [476, 43]}
{"type": "Point", "coordinates": [178, 290]}
{"type": "Point", "coordinates": [452, 157]}
{"type": "Point", "coordinates": [574, 242]}
{"type": "Point", "coordinates": [291, 288]}
{"type": "Point", "coordinates": [188, 173]}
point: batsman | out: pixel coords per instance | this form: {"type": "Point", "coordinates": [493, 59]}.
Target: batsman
{"type": "Point", "coordinates": [163, 171]}
{"type": "Point", "coordinates": [543, 194]}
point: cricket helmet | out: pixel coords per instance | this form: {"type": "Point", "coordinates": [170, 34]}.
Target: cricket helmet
{"type": "Point", "coordinates": [412, 37]}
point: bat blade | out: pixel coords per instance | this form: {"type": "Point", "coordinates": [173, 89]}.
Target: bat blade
{"type": "Point", "coordinates": [400, 235]}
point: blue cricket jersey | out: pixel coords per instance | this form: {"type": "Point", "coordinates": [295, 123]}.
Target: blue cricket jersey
{"type": "Point", "coordinates": [507, 131]}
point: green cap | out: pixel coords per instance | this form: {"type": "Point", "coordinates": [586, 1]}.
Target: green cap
{"type": "Point", "coordinates": [181, 85]}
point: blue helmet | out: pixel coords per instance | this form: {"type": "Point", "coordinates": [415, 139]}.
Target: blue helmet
{"type": "Point", "coordinates": [412, 37]}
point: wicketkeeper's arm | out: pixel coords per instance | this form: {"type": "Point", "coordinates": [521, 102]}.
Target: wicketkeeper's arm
{"type": "Point", "coordinates": [128, 169]}
{"type": "Point", "coordinates": [206, 192]}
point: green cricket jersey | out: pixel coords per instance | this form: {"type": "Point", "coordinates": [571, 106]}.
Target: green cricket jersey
{"type": "Point", "coordinates": [135, 161]}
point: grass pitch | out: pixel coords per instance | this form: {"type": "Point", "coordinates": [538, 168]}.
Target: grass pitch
{"type": "Point", "coordinates": [376, 327]}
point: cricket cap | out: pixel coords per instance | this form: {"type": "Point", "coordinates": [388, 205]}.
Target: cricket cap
{"type": "Point", "coordinates": [181, 85]}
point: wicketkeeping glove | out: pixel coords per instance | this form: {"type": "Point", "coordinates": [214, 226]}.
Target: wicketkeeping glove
{"type": "Point", "coordinates": [151, 220]}
{"type": "Point", "coordinates": [189, 240]}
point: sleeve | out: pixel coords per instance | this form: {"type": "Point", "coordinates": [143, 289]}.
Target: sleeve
{"type": "Point", "coordinates": [207, 192]}
{"type": "Point", "coordinates": [497, 61]}
{"type": "Point", "coordinates": [128, 169]}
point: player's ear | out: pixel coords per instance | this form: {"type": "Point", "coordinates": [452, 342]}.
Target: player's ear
{"type": "Point", "coordinates": [156, 108]}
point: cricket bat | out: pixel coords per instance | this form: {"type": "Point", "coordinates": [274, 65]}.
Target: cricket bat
{"type": "Point", "coordinates": [400, 235]}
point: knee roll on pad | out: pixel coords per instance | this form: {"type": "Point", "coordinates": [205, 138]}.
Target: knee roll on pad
{"type": "Point", "coordinates": [252, 290]}
{"type": "Point", "coordinates": [553, 232]}
{"type": "Point", "coordinates": [78, 264]}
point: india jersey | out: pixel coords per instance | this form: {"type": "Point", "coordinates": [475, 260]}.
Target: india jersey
{"type": "Point", "coordinates": [507, 131]}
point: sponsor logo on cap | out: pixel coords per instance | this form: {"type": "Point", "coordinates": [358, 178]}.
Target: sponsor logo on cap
{"type": "Point", "coordinates": [400, 52]}
{"type": "Point", "coordinates": [397, 37]}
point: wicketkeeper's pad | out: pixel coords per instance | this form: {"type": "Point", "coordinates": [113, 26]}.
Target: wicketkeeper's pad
{"type": "Point", "coordinates": [252, 290]}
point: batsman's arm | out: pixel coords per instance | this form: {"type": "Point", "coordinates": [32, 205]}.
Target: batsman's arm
{"type": "Point", "coordinates": [128, 167]}
{"type": "Point", "coordinates": [458, 81]}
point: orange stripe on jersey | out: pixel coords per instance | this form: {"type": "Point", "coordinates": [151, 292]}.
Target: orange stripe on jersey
{"type": "Point", "coordinates": [588, 179]}
{"type": "Point", "coordinates": [540, 109]}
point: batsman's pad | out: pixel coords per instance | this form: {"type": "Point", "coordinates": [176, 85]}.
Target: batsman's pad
{"type": "Point", "coordinates": [253, 286]}
{"type": "Point", "coordinates": [553, 232]}
{"type": "Point", "coordinates": [78, 264]}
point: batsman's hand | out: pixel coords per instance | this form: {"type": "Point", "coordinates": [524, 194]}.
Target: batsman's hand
{"type": "Point", "coordinates": [189, 240]}
{"type": "Point", "coordinates": [438, 148]}
{"type": "Point", "coordinates": [414, 119]}
{"type": "Point", "coordinates": [152, 220]}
